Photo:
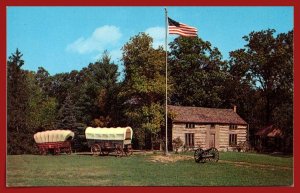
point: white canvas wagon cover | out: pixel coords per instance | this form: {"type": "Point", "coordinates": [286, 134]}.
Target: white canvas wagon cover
{"type": "Point", "coordinates": [111, 133]}
{"type": "Point", "coordinates": [53, 136]}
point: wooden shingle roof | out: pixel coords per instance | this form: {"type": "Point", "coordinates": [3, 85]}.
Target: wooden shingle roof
{"type": "Point", "coordinates": [204, 115]}
{"type": "Point", "coordinates": [270, 131]}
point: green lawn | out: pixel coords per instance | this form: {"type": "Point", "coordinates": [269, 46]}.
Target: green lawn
{"type": "Point", "coordinates": [233, 169]}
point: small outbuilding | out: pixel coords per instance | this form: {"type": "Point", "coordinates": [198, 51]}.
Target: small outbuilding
{"type": "Point", "coordinates": [203, 127]}
{"type": "Point", "coordinates": [269, 139]}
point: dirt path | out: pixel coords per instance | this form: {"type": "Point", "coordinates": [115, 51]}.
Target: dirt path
{"type": "Point", "coordinates": [247, 164]}
{"type": "Point", "coordinates": [175, 158]}
{"type": "Point", "coordinates": [170, 158]}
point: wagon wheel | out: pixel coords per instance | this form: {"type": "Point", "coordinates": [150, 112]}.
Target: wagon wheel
{"type": "Point", "coordinates": [215, 154]}
{"type": "Point", "coordinates": [43, 151]}
{"type": "Point", "coordinates": [128, 150]}
{"type": "Point", "coordinates": [198, 155]}
{"type": "Point", "coordinates": [96, 149]}
{"type": "Point", "coordinates": [118, 151]}
{"type": "Point", "coordinates": [56, 151]}
{"type": "Point", "coordinates": [68, 150]}
{"type": "Point", "coordinates": [104, 151]}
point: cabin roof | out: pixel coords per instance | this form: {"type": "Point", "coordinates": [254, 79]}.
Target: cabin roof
{"type": "Point", "coordinates": [270, 131]}
{"type": "Point", "coordinates": [204, 115]}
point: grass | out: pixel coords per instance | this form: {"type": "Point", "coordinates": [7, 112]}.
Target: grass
{"type": "Point", "coordinates": [233, 169]}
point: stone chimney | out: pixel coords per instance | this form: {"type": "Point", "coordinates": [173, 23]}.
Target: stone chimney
{"type": "Point", "coordinates": [234, 108]}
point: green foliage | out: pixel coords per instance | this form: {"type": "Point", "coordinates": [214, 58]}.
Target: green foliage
{"type": "Point", "coordinates": [17, 92]}
{"type": "Point", "coordinates": [42, 110]}
{"type": "Point", "coordinates": [98, 92]}
{"type": "Point", "coordinates": [66, 116]}
{"type": "Point", "coordinates": [177, 143]}
{"type": "Point", "coordinates": [144, 87]}
{"type": "Point", "coordinates": [263, 76]}
{"type": "Point", "coordinates": [257, 78]}
{"type": "Point", "coordinates": [196, 73]}
{"type": "Point", "coordinates": [271, 66]}
{"type": "Point", "coordinates": [17, 107]}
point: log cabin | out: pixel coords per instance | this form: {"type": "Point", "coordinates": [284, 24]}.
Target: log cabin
{"type": "Point", "coordinates": [200, 127]}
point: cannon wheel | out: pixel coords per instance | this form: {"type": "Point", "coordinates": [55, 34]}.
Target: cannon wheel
{"type": "Point", "coordinates": [96, 149]}
{"type": "Point", "coordinates": [198, 155]}
{"type": "Point", "coordinates": [215, 153]}
{"type": "Point", "coordinates": [128, 150]}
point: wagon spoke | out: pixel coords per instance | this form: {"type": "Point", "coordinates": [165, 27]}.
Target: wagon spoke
{"type": "Point", "coordinates": [118, 151]}
{"type": "Point", "coordinates": [95, 149]}
{"type": "Point", "coordinates": [128, 150]}
{"type": "Point", "coordinates": [56, 151]}
{"type": "Point", "coordinates": [68, 151]}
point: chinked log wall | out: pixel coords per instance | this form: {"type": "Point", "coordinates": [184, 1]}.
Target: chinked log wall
{"type": "Point", "coordinates": [203, 132]}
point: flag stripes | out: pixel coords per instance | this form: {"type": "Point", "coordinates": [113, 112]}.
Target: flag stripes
{"type": "Point", "coordinates": [181, 29]}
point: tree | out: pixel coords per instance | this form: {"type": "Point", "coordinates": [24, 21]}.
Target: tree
{"type": "Point", "coordinates": [17, 106]}
{"type": "Point", "coordinates": [66, 116]}
{"type": "Point", "coordinates": [98, 92]}
{"type": "Point", "coordinates": [201, 78]}
{"type": "Point", "coordinates": [265, 66]}
{"type": "Point", "coordinates": [42, 109]}
{"type": "Point", "coordinates": [43, 79]}
{"type": "Point", "coordinates": [271, 65]}
{"type": "Point", "coordinates": [144, 88]}
{"type": "Point", "coordinates": [16, 91]}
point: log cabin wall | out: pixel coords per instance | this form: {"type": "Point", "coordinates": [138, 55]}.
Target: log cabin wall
{"type": "Point", "coordinates": [206, 134]}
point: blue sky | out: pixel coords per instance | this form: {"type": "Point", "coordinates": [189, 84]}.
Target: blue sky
{"type": "Point", "coordinates": [62, 39]}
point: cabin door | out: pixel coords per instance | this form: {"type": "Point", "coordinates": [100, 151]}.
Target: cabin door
{"type": "Point", "coordinates": [212, 140]}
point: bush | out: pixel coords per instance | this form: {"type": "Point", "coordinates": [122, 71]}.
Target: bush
{"type": "Point", "coordinates": [177, 143]}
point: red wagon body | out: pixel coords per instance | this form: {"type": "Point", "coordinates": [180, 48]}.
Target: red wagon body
{"type": "Point", "coordinates": [55, 147]}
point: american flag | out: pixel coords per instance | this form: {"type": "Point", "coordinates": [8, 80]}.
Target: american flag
{"type": "Point", "coordinates": [181, 29]}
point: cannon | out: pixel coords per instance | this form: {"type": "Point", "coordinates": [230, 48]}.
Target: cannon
{"type": "Point", "coordinates": [211, 154]}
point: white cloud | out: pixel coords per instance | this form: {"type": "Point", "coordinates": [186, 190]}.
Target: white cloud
{"type": "Point", "coordinates": [99, 40]}
{"type": "Point", "coordinates": [158, 35]}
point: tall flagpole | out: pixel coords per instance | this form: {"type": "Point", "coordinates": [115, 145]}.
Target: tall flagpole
{"type": "Point", "coordinates": [166, 48]}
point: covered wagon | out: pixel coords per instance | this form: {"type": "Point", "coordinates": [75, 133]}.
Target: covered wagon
{"type": "Point", "coordinates": [55, 141]}
{"type": "Point", "coordinates": [106, 140]}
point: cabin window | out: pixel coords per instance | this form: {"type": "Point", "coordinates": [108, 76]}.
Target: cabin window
{"type": "Point", "coordinates": [232, 126]}
{"type": "Point", "coordinates": [190, 125]}
{"type": "Point", "coordinates": [189, 139]}
{"type": "Point", "coordinates": [232, 139]}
